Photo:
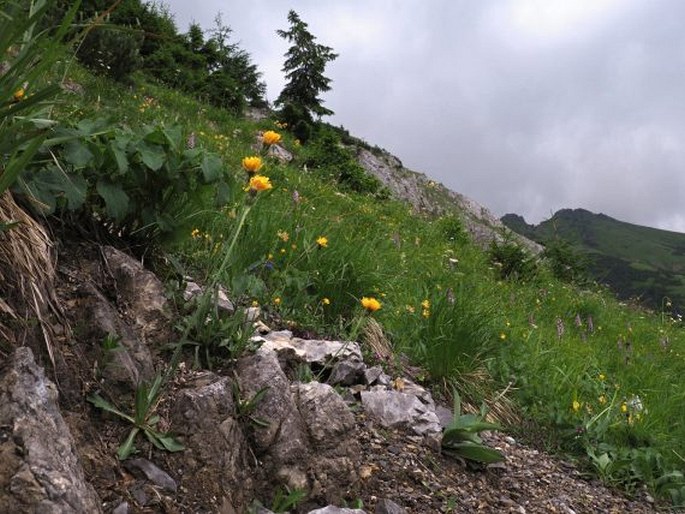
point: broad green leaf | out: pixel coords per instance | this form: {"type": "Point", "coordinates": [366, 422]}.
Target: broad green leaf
{"type": "Point", "coordinates": [475, 452]}
{"type": "Point", "coordinates": [119, 155]}
{"type": "Point", "coordinates": [165, 441]}
{"type": "Point", "coordinates": [77, 153]}
{"type": "Point", "coordinates": [153, 156]}
{"type": "Point", "coordinates": [155, 136]}
{"type": "Point", "coordinates": [223, 194]}
{"type": "Point", "coordinates": [472, 423]}
{"type": "Point", "coordinates": [452, 436]}
{"type": "Point", "coordinates": [99, 402]}
{"type": "Point", "coordinates": [211, 168]}
{"type": "Point", "coordinates": [127, 448]}
{"type": "Point", "coordinates": [174, 137]}
{"type": "Point", "coordinates": [116, 199]}
{"type": "Point", "coordinates": [50, 184]}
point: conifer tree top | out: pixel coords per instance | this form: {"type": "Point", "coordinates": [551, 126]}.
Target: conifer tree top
{"type": "Point", "coordinates": [305, 62]}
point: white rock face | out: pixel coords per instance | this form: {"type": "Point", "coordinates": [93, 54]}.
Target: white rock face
{"type": "Point", "coordinates": [312, 351]}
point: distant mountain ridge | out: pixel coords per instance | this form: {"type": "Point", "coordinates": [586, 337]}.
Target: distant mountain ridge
{"type": "Point", "coordinates": [635, 261]}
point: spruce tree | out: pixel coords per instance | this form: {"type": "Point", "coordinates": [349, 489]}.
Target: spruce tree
{"type": "Point", "coordinates": [304, 66]}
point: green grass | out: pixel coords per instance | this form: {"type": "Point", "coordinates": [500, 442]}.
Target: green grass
{"type": "Point", "coordinates": [576, 358]}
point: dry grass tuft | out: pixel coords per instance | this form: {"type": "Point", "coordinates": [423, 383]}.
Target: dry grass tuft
{"type": "Point", "coordinates": [27, 270]}
{"type": "Point", "coordinates": [373, 336]}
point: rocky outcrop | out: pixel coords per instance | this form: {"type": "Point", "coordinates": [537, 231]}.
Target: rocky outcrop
{"type": "Point", "coordinates": [431, 197]}
{"type": "Point", "coordinates": [39, 467]}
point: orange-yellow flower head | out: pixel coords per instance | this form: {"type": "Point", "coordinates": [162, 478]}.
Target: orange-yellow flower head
{"type": "Point", "coordinates": [322, 242]}
{"type": "Point", "coordinates": [259, 183]}
{"type": "Point", "coordinates": [371, 304]}
{"type": "Point", "coordinates": [252, 164]}
{"type": "Point", "coordinates": [19, 94]}
{"type": "Point", "coordinates": [271, 138]}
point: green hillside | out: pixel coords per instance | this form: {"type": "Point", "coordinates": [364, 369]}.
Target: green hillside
{"type": "Point", "coordinates": [637, 262]}
{"type": "Point", "coordinates": [275, 209]}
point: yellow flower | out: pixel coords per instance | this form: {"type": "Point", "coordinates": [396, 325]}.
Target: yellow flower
{"type": "Point", "coordinates": [426, 304]}
{"type": "Point", "coordinates": [576, 405]}
{"type": "Point", "coordinates": [326, 301]}
{"type": "Point", "coordinates": [624, 407]}
{"type": "Point", "coordinates": [19, 94]}
{"type": "Point", "coordinates": [426, 313]}
{"type": "Point", "coordinates": [322, 242]}
{"type": "Point", "coordinates": [255, 303]}
{"type": "Point", "coordinates": [283, 235]}
{"type": "Point", "coordinates": [370, 304]}
{"type": "Point", "coordinates": [602, 376]}
{"type": "Point", "coordinates": [271, 138]}
{"type": "Point", "coordinates": [602, 399]}
{"type": "Point", "coordinates": [502, 336]}
{"type": "Point", "coordinates": [259, 183]}
{"type": "Point", "coordinates": [195, 233]}
{"type": "Point", "coordinates": [277, 301]}
{"type": "Point", "coordinates": [252, 164]}
{"type": "Point", "coordinates": [410, 308]}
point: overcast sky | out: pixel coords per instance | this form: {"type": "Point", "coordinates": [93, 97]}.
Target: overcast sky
{"type": "Point", "coordinates": [526, 106]}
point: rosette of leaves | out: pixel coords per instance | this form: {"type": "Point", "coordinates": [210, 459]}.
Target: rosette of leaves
{"type": "Point", "coordinates": [143, 419]}
{"type": "Point", "coordinates": [461, 438]}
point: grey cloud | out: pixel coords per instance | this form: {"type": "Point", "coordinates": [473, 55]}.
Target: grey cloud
{"type": "Point", "coordinates": [516, 115]}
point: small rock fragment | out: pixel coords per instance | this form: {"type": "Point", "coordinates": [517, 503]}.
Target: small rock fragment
{"type": "Point", "coordinates": [155, 475]}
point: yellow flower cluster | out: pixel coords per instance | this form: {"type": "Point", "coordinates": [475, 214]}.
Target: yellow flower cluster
{"type": "Point", "coordinates": [147, 102]}
{"type": "Point", "coordinates": [271, 138]}
{"type": "Point", "coordinates": [283, 235]}
{"type": "Point", "coordinates": [258, 183]}
{"type": "Point", "coordinates": [370, 304]}
{"type": "Point", "coordinates": [252, 164]}
{"type": "Point", "coordinates": [426, 308]}
{"type": "Point", "coordinates": [322, 242]}
{"type": "Point", "coordinates": [19, 94]}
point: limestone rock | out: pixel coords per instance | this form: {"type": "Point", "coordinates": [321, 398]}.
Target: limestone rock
{"type": "Point", "coordinates": [141, 292]}
{"type": "Point", "coordinates": [39, 467]}
{"type": "Point", "coordinates": [309, 350]}
{"type": "Point", "coordinates": [152, 473]}
{"type": "Point", "coordinates": [285, 437]}
{"type": "Point", "coordinates": [131, 362]}
{"type": "Point", "coordinates": [327, 416]}
{"type": "Point", "coordinates": [347, 372]}
{"type": "Point", "coordinates": [280, 153]}
{"type": "Point", "coordinates": [223, 304]}
{"type": "Point", "coordinates": [202, 415]}
{"type": "Point", "coordinates": [385, 506]}
{"type": "Point", "coordinates": [399, 409]}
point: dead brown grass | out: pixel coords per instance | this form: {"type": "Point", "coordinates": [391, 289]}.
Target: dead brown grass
{"type": "Point", "coordinates": [27, 271]}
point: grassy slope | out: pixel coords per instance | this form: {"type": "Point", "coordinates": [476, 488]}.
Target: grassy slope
{"type": "Point", "coordinates": [575, 358]}
{"type": "Point", "coordinates": [635, 261]}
